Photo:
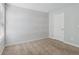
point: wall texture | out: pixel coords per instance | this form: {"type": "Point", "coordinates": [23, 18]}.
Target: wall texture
{"type": "Point", "coordinates": [71, 24]}
{"type": "Point", "coordinates": [25, 25]}
{"type": "Point", "coordinates": [52, 25]}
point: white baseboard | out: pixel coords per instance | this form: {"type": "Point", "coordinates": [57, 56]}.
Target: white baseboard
{"type": "Point", "coordinates": [24, 41]}
{"type": "Point", "coordinates": [66, 42]}
{"type": "Point", "coordinates": [40, 39]}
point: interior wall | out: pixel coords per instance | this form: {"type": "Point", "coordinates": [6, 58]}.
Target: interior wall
{"type": "Point", "coordinates": [71, 24]}
{"type": "Point", "coordinates": [23, 25]}
{"type": "Point", "coordinates": [52, 24]}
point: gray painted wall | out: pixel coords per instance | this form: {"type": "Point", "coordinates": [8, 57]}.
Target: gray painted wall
{"type": "Point", "coordinates": [51, 20]}
{"type": "Point", "coordinates": [71, 24]}
{"type": "Point", "coordinates": [25, 25]}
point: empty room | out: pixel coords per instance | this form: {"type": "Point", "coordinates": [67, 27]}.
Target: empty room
{"type": "Point", "coordinates": [39, 28]}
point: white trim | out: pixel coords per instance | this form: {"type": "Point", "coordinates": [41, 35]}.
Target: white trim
{"type": "Point", "coordinates": [71, 44]}
{"type": "Point", "coordinates": [24, 41]}
{"type": "Point", "coordinates": [66, 42]}
{"type": "Point", "coordinates": [40, 39]}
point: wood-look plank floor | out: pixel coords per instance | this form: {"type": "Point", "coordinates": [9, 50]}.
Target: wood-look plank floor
{"type": "Point", "coordinates": [41, 47]}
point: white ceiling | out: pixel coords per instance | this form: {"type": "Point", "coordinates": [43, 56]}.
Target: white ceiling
{"type": "Point", "coordinates": [43, 7]}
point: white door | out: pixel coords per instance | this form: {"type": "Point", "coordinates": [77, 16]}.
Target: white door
{"type": "Point", "coordinates": [59, 26]}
